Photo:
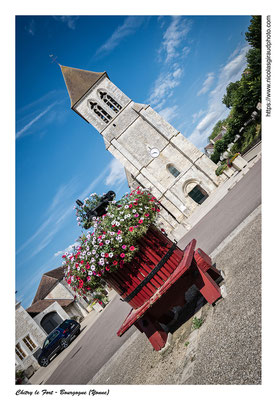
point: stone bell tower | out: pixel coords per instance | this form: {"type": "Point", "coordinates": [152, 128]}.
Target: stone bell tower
{"type": "Point", "coordinates": [155, 155]}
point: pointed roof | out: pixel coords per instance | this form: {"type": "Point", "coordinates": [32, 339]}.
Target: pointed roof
{"type": "Point", "coordinates": [48, 281]}
{"type": "Point", "coordinates": [79, 81]}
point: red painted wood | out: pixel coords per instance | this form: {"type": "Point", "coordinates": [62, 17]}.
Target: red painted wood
{"type": "Point", "coordinates": [183, 266]}
{"type": "Point", "coordinates": [152, 247]}
{"type": "Point", "coordinates": [153, 330]}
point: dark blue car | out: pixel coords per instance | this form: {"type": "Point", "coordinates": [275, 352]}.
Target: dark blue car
{"type": "Point", "coordinates": [58, 340]}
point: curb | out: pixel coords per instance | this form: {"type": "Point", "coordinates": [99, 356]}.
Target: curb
{"type": "Point", "coordinates": [236, 231]}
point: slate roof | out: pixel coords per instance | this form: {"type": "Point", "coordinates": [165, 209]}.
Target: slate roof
{"type": "Point", "coordinates": [79, 81]}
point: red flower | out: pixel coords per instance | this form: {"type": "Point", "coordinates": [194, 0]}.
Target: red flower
{"type": "Point", "coordinates": [101, 244]}
{"type": "Point", "coordinates": [114, 262]}
{"type": "Point", "coordinates": [140, 221]}
{"type": "Point", "coordinates": [122, 255]}
{"type": "Point", "coordinates": [147, 215]}
{"type": "Point", "coordinates": [119, 232]}
{"type": "Point", "coordinates": [107, 269]}
{"type": "Point", "coordinates": [132, 248]}
{"type": "Point", "coordinates": [130, 205]}
{"type": "Point", "coordinates": [131, 228]}
{"type": "Point", "coordinates": [106, 254]}
{"type": "Point", "coordinates": [82, 261]}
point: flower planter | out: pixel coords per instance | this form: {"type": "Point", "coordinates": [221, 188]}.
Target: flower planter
{"type": "Point", "coordinates": [153, 264]}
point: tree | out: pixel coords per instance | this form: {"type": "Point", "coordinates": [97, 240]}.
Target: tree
{"type": "Point", "coordinates": [254, 36]}
{"type": "Point", "coordinates": [228, 98]}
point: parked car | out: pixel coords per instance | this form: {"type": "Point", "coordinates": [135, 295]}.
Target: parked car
{"type": "Point", "coordinates": [58, 340]}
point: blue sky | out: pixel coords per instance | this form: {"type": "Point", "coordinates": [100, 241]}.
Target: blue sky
{"type": "Point", "coordinates": [179, 65]}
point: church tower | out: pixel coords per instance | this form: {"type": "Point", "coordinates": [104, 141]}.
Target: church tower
{"type": "Point", "coordinates": [155, 155]}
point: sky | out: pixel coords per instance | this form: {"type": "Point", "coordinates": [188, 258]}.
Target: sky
{"type": "Point", "coordinates": [180, 65]}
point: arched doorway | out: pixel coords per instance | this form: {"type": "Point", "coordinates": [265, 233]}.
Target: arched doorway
{"type": "Point", "coordinates": [193, 189]}
{"type": "Point", "coordinates": [198, 194]}
{"type": "Point", "coordinates": [50, 321]}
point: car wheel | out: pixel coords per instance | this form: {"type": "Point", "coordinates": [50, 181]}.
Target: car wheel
{"type": "Point", "coordinates": [64, 344]}
{"type": "Point", "coordinates": [44, 361]}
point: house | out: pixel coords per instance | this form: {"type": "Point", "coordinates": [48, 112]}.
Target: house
{"type": "Point", "coordinates": [55, 301]}
{"type": "Point", "coordinates": [209, 149]}
{"type": "Point", "coordinates": [29, 338]}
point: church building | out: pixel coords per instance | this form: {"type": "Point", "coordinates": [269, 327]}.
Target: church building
{"type": "Point", "coordinates": [154, 154]}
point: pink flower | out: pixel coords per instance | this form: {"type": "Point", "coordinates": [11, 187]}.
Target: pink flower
{"type": "Point", "coordinates": [147, 215]}
{"type": "Point", "coordinates": [106, 254]}
{"type": "Point", "coordinates": [88, 278]}
{"type": "Point", "coordinates": [101, 244]}
{"type": "Point", "coordinates": [107, 269]}
{"type": "Point", "coordinates": [132, 248]}
{"type": "Point", "coordinates": [119, 232]}
{"type": "Point", "coordinates": [140, 221]}
{"type": "Point", "coordinates": [114, 262]}
{"type": "Point", "coordinates": [131, 228]}
{"type": "Point", "coordinates": [124, 246]}
{"type": "Point", "coordinates": [136, 215]}
{"type": "Point", "coordinates": [122, 255]}
{"type": "Point", "coordinates": [130, 205]}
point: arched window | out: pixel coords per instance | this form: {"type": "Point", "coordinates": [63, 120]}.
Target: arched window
{"type": "Point", "coordinates": [100, 111]}
{"type": "Point", "coordinates": [174, 171]}
{"type": "Point", "coordinates": [110, 101]}
{"type": "Point", "coordinates": [198, 194]}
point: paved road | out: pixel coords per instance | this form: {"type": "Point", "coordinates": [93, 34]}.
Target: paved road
{"type": "Point", "coordinates": [95, 348]}
{"type": "Point", "coordinates": [228, 213]}
{"type": "Point", "coordinates": [100, 342]}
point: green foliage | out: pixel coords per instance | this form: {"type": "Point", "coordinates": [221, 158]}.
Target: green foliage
{"type": "Point", "coordinates": [186, 344]}
{"type": "Point", "coordinates": [196, 323]}
{"type": "Point", "coordinates": [220, 169]}
{"type": "Point", "coordinates": [215, 157]}
{"type": "Point", "coordinates": [242, 97]}
{"type": "Point", "coordinates": [217, 128]}
{"type": "Point", "coordinates": [253, 36]}
{"type": "Point", "coordinates": [229, 97]}
{"type": "Point", "coordinates": [220, 146]}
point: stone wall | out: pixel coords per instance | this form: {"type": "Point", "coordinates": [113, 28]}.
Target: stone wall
{"type": "Point", "coordinates": [25, 325]}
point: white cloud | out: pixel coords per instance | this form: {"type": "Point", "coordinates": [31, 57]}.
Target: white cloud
{"type": "Point", "coordinates": [164, 85]}
{"type": "Point", "coordinates": [117, 173]}
{"type": "Point", "coordinates": [70, 21]}
{"type": "Point", "coordinates": [34, 120]}
{"type": "Point", "coordinates": [169, 113]}
{"type": "Point", "coordinates": [69, 249]}
{"type": "Point", "coordinates": [230, 72]}
{"type": "Point", "coordinates": [128, 27]}
{"type": "Point", "coordinates": [207, 84]}
{"type": "Point", "coordinates": [174, 36]}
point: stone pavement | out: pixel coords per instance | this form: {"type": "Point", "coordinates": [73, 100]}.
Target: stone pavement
{"type": "Point", "coordinates": [226, 349]}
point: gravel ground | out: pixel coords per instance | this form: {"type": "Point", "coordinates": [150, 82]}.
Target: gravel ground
{"type": "Point", "coordinates": [227, 347]}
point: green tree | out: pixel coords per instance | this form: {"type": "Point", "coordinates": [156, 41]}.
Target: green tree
{"type": "Point", "coordinates": [254, 34]}
{"type": "Point", "coordinates": [229, 97]}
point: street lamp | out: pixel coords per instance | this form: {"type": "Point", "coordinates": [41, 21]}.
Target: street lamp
{"type": "Point", "coordinates": [100, 209]}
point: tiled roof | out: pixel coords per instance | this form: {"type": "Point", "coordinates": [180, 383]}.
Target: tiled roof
{"type": "Point", "coordinates": [41, 305]}
{"type": "Point", "coordinates": [79, 81]}
{"type": "Point", "coordinates": [48, 281]}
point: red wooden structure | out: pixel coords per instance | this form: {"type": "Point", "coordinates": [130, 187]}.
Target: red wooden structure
{"type": "Point", "coordinates": [157, 279]}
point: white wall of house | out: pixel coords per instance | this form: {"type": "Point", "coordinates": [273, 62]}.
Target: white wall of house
{"type": "Point", "coordinates": [29, 337]}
